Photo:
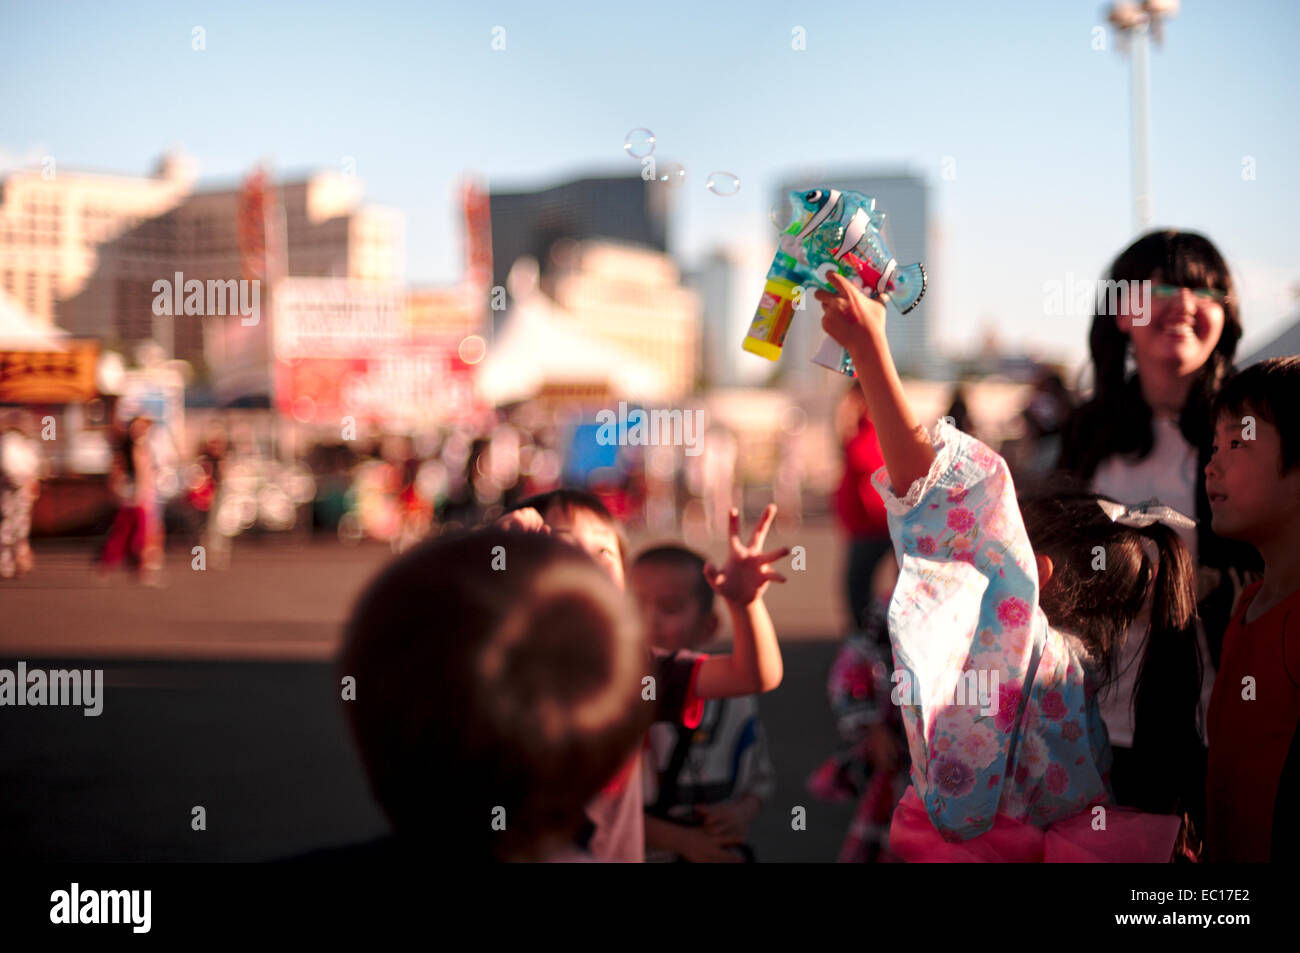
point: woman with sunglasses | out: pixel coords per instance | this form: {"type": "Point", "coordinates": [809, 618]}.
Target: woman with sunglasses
{"type": "Point", "coordinates": [1160, 351]}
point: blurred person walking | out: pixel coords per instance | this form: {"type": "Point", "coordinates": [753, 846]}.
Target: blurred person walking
{"type": "Point", "coordinates": [136, 533]}
{"type": "Point", "coordinates": [1034, 453]}
{"type": "Point", "coordinates": [20, 484]}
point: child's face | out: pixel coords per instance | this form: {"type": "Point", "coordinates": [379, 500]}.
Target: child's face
{"type": "Point", "coordinates": [1181, 330]}
{"type": "Point", "coordinates": [589, 531]}
{"type": "Point", "coordinates": [673, 618]}
{"type": "Point", "coordinates": [1249, 499]}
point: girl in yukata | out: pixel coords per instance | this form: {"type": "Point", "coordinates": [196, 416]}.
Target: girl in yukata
{"type": "Point", "coordinates": [1004, 622]}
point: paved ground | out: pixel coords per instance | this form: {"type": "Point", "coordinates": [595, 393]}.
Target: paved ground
{"type": "Point", "coordinates": [220, 692]}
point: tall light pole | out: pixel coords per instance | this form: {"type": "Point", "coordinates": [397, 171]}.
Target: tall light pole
{"type": "Point", "coordinates": [1133, 24]}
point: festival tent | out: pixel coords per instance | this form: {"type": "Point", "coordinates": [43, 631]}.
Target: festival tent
{"type": "Point", "coordinates": [540, 344]}
{"type": "Point", "coordinates": [1285, 344]}
{"type": "Point", "coordinates": [19, 331]}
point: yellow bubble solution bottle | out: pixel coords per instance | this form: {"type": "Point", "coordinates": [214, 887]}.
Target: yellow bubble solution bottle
{"type": "Point", "coordinates": [773, 318]}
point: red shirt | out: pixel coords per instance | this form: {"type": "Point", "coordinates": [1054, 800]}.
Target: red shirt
{"type": "Point", "coordinates": [1250, 738]}
{"type": "Point", "coordinates": [857, 504]}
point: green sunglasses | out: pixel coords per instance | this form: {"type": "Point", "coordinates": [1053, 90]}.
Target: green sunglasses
{"type": "Point", "coordinates": [1205, 294]}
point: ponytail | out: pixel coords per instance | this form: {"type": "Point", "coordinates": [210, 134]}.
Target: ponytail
{"type": "Point", "coordinates": [1173, 597]}
{"type": "Point", "coordinates": [1167, 748]}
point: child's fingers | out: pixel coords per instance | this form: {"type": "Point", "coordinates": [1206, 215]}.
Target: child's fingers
{"type": "Point", "coordinates": [773, 556]}
{"type": "Point", "coordinates": [527, 519]}
{"type": "Point", "coordinates": [770, 576]}
{"type": "Point", "coordinates": [839, 282]}
{"type": "Point", "coordinates": [764, 524]}
{"type": "Point", "coordinates": [733, 521]}
{"type": "Point", "coordinates": [714, 575]}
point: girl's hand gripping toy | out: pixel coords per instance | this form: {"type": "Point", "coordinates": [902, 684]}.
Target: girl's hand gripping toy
{"type": "Point", "coordinates": [829, 230]}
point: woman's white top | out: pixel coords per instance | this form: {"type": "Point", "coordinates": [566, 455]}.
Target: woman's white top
{"type": "Point", "coordinates": [1167, 474]}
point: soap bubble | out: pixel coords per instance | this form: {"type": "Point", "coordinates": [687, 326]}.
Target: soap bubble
{"type": "Point", "coordinates": [793, 419]}
{"type": "Point", "coordinates": [672, 173]}
{"type": "Point", "coordinates": [639, 143]}
{"type": "Point", "coordinates": [723, 183]}
{"type": "Point", "coordinates": [781, 214]}
{"type": "Point", "coordinates": [472, 349]}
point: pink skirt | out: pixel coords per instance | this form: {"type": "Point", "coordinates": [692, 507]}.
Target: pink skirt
{"type": "Point", "coordinates": [1130, 837]}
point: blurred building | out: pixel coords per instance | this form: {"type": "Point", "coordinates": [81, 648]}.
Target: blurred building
{"type": "Point", "coordinates": [53, 225]}
{"type": "Point", "coordinates": [730, 283]}
{"type": "Point", "coordinates": [82, 250]}
{"type": "Point", "coordinates": [624, 208]}
{"type": "Point", "coordinates": [904, 199]}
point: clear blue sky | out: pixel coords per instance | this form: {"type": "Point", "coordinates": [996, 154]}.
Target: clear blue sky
{"type": "Point", "coordinates": [1036, 120]}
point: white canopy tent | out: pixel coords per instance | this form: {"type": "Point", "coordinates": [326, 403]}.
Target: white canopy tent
{"type": "Point", "coordinates": [542, 345]}
{"type": "Point", "coordinates": [19, 331]}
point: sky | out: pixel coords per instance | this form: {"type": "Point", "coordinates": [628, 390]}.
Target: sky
{"type": "Point", "coordinates": [1018, 123]}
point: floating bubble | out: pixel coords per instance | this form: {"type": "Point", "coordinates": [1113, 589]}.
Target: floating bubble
{"type": "Point", "coordinates": [793, 419]}
{"type": "Point", "coordinates": [304, 409]}
{"type": "Point", "coordinates": [672, 173]}
{"type": "Point", "coordinates": [639, 143]}
{"type": "Point", "coordinates": [472, 349]}
{"type": "Point", "coordinates": [723, 183]}
{"type": "Point", "coordinates": [781, 214]}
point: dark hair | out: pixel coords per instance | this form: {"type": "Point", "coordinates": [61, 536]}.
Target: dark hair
{"type": "Point", "coordinates": [1269, 389]}
{"type": "Point", "coordinates": [127, 448]}
{"type": "Point", "coordinates": [679, 557]}
{"type": "Point", "coordinates": [572, 500]}
{"type": "Point", "coordinates": [1117, 420]}
{"type": "Point", "coordinates": [1102, 577]}
{"type": "Point", "coordinates": [482, 683]}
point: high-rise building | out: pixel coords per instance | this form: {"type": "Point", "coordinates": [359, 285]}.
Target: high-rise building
{"type": "Point", "coordinates": [729, 282]}
{"type": "Point", "coordinates": [904, 199]}
{"type": "Point", "coordinates": [624, 209]}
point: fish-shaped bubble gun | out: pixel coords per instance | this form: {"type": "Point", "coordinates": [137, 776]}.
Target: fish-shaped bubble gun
{"type": "Point", "coordinates": [829, 230]}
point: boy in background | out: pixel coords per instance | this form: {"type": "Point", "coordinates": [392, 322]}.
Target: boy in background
{"type": "Point", "coordinates": [705, 786]}
{"type": "Point", "coordinates": [1253, 482]}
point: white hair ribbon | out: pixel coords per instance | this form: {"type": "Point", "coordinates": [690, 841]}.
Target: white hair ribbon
{"type": "Point", "coordinates": [1143, 514]}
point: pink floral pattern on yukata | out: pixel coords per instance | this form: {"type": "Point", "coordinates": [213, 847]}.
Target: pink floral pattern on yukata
{"type": "Point", "coordinates": [967, 601]}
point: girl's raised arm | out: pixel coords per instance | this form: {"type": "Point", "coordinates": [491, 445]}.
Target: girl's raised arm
{"type": "Point", "coordinates": [857, 322]}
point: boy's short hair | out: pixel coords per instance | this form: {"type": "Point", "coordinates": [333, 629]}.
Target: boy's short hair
{"type": "Point", "coordinates": [493, 670]}
{"type": "Point", "coordinates": [572, 500]}
{"type": "Point", "coordinates": [1271, 390]}
{"type": "Point", "coordinates": [678, 556]}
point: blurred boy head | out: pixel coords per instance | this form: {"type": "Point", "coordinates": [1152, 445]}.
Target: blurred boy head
{"type": "Point", "coordinates": [1253, 477]}
{"type": "Point", "coordinates": [493, 670]}
{"type": "Point", "coordinates": [581, 518]}
{"type": "Point", "coordinates": [674, 598]}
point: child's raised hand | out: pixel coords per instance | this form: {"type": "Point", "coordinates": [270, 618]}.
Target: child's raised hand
{"type": "Point", "coordinates": [747, 571]}
{"type": "Point", "coordinates": [850, 316]}
{"type": "Point", "coordinates": [527, 520]}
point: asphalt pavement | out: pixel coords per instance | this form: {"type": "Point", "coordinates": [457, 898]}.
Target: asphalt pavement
{"type": "Point", "coordinates": [220, 693]}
